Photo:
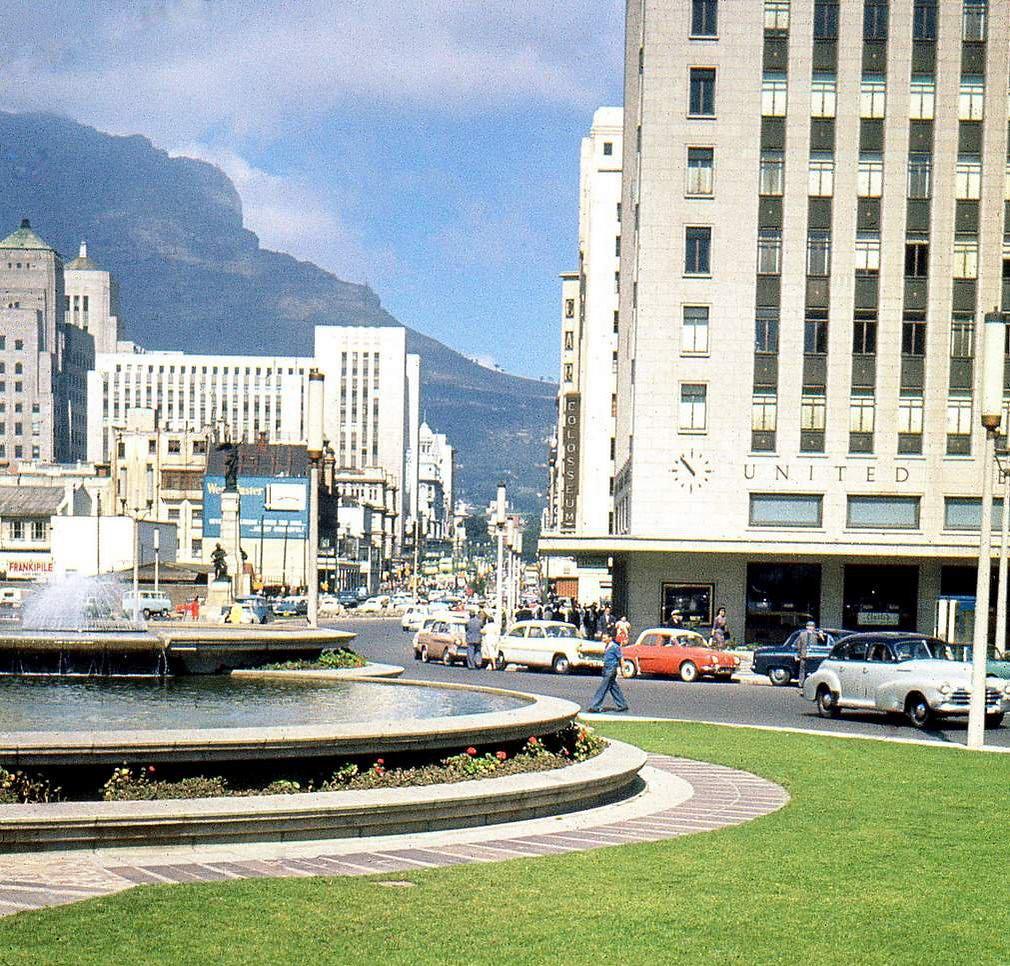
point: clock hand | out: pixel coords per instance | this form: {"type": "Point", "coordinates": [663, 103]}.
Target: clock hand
{"type": "Point", "coordinates": [688, 466]}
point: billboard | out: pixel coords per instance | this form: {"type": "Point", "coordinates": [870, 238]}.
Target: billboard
{"type": "Point", "coordinates": [270, 507]}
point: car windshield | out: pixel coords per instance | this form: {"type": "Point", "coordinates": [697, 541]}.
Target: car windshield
{"type": "Point", "coordinates": [923, 650]}
{"type": "Point", "coordinates": [565, 630]}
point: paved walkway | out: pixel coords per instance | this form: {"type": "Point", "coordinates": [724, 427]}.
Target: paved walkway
{"type": "Point", "coordinates": [721, 797]}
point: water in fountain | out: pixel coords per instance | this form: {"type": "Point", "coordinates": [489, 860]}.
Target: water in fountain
{"type": "Point", "coordinates": [74, 602]}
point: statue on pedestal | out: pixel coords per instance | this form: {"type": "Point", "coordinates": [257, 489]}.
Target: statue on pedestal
{"type": "Point", "coordinates": [220, 560]}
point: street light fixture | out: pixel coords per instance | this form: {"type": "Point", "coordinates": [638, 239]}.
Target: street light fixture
{"type": "Point", "coordinates": [991, 414]}
{"type": "Point", "coordinates": [314, 434]}
{"type": "Point", "coordinates": [499, 523]}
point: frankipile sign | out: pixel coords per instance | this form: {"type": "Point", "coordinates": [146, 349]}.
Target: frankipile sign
{"type": "Point", "coordinates": [271, 508]}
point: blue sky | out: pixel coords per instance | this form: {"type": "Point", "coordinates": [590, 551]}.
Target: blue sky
{"type": "Point", "coordinates": [429, 147]}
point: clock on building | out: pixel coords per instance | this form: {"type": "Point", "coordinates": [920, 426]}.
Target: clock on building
{"type": "Point", "coordinates": [692, 470]}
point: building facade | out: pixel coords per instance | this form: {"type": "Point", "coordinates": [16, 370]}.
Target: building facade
{"type": "Point", "coordinates": [815, 197]}
{"type": "Point", "coordinates": [435, 485]}
{"type": "Point", "coordinates": [91, 301]}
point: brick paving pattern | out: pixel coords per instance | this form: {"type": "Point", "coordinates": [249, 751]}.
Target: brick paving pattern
{"type": "Point", "coordinates": [722, 797]}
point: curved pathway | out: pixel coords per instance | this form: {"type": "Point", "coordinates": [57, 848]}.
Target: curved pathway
{"type": "Point", "coordinates": [721, 797]}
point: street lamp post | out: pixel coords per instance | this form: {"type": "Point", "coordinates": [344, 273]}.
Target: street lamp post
{"type": "Point", "coordinates": [1001, 584]}
{"type": "Point", "coordinates": [315, 451]}
{"type": "Point", "coordinates": [992, 408]}
{"type": "Point", "coordinates": [157, 555]}
{"type": "Point", "coordinates": [499, 523]}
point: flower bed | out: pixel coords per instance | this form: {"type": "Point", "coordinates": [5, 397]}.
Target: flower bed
{"type": "Point", "coordinates": [574, 744]}
{"type": "Point", "coordinates": [331, 660]}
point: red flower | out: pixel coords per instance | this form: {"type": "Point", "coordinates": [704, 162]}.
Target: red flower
{"type": "Point", "coordinates": [533, 741]}
{"type": "Point", "coordinates": [471, 751]}
{"type": "Point", "coordinates": [380, 761]}
{"type": "Point", "coordinates": [150, 769]}
{"type": "Point", "coordinates": [501, 755]}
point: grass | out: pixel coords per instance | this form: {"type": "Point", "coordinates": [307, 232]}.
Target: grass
{"type": "Point", "coordinates": [887, 854]}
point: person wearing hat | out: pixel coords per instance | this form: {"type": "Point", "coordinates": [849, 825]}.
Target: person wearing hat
{"type": "Point", "coordinates": [809, 637]}
{"type": "Point", "coordinates": [676, 618]}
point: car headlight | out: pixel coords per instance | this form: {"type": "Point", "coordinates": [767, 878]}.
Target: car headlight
{"type": "Point", "coordinates": [944, 689]}
{"type": "Point", "coordinates": [1006, 689]}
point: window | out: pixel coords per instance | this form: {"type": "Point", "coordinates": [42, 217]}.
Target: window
{"type": "Point", "coordinates": [971, 104]}
{"type": "Point", "coordinates": [965, 256]}
{"type": "Point", "coordinates": [693, 407]}
{"type": "Point", "coordinates": [825, 19]}
{"type": "Point", "coordinates": [920, 175]}
{"type": "Point", "coordinates": [704, 18]}
{"type": "Point", "coordinates": [974, 18]}
{"type": "Point", "coordinates": [867, 252]}
{"type": "Point", "coordinates": [18, 345]}
{"type": "Point", "coordinates": [694, 334]}
{"type": "Point", "coordinates": [923, 98]}
{"type": "Point", "coordinates": [875, 20]}
{"type": "Point", "coordinates": [916, 258]}
{"type": "Point", "coordinates": [700, 163]}
{"type": "Point", "coordinates": [38, 530]}
{"type": "Point", "coordinates": [773, 169]}
{"type": "Point", "coordinates": [968, 177]}
{"type": "Point", "coordinates": [818, 252]}
{"type": "Point", "coordinates": [861, 412]}
{"type": "Point", "coordinates": [764, 412]}
{"type": "Point", "coordinates": [884, 512]}
{"type": "Point", "coordinates": [864, 335]}
{"type": "Point", "coordinates": [924, 20]}
{"type": "Point", "coordinates": [608, 148]}
{"type": "Point", "coordinates": [815, 332]}
{"type": "Point", "coordinates": [785, 510]}
{"type": "Point", "coordinates": [769, 260]}
{"type": "Point", "coordinates": [823, 95]}
{"type": "Point", "coordinates": [1006, 186]}
{"type": "Point", "coordinates": [698, 251]}
{"type": "Point", "coordinates": [766, 331]}
{"type": "Point", "coordinates": [776, 14]}
{"type": "Point", "coordinates": [870, 176]}
{"type": "Point", "coordinates": [913, 334]}
{"type": "Point", "coordinates": [873, 96]}
{"type": "Point", "coordinates": [962, 337]}
{"type": "Point", "coordinates": [959, 416]}
{"type": "Point", "coordinates": [910, 409]}
{"type": "Point", "coordinates": [774, 94]}
{"type": "Point", "coordinates": [702, 92]}
{"type": "Point", "coordinates": [17, 529]}
{"type": "Point", "coordinates": [965, 513]}
{"type": "Point", "coordinates": [569, 308]}
{"type": "Point", "coordinates": [821, 181]}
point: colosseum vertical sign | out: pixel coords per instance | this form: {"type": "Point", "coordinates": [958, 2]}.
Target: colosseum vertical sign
{"type": "Point", "coordinates": [571, 425]}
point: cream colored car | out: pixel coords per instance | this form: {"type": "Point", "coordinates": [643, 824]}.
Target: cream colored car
{"type": "Point", "coordinates": [547, 644]}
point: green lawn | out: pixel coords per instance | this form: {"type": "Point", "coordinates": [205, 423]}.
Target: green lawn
{"type": "Point", "coordinates": [887, 853]}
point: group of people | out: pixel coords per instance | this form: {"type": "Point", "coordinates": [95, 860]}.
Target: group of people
{"type": "Point", "coordinates": [719, 634]}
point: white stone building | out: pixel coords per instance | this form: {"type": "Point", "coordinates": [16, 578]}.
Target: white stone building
{"type": "Point", "coordinates": [91, 301]}
{"type": "Point", "coordinates": [435, 485]}
{"type": "Point", "coordinates": [815, 223]}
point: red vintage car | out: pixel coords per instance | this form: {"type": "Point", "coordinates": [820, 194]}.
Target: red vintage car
{"type": "Point", "coordinates": [676, 652]}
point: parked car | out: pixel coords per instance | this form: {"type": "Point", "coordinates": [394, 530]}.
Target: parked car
{"type": "Point", "coordinates": [781, 661]}
{"type": "Point", "coordinates": [676, 652]}
{"type": "Point", "coordinates": [284, 607]}
{"type": "Point", "coordinates": [258, 608]}
{"type": "Point", "coordinates": [413, 617]}
{"type": "Point", "coordinates": [149, 604]}
{"type": "Point", "coordinates": [902, 673]}
{"type": "Point", "coordinates": [401, 601]}
{"type": "Point", "coordinates": [348, 599]}
{"type": "Point", "coordinates": [547, 644]}
{"type": "Point", "coordinates": [441, 638]}
{"type": "Point", "coordinates": [374, 605]}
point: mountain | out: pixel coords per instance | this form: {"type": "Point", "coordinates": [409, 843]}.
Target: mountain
{"type": "Point", "coordinates": [192, 278]}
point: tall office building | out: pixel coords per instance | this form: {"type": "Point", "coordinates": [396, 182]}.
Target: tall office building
{"type": "Point", "coordinates": [815, 216]}
{"type": "Point", "coordinates": [91, 301]}
{"type": "Point", "coordinates": [43, 360]}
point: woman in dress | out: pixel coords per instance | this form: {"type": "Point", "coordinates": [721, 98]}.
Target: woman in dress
{"type": "Point", "coordinates": [720, 628]}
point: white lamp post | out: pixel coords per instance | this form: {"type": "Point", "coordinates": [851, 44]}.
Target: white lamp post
{"type": "Point", "coordinates": [314, 434]}
{"type": "Point", "coordinates": [499, 523]}
{"type": "Point", "coordinates": [157, 555]}
{"type": "Point", "coordinates": [991, 413]}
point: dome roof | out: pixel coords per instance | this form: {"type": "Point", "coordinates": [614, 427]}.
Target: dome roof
{"type": "Point", "coordinates": [82, 263]}
{"type": "Point", "coordinates": [24, 237]}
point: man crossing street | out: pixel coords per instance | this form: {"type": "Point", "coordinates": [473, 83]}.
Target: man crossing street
{"type": "Point", "coordinates": [609, 685]}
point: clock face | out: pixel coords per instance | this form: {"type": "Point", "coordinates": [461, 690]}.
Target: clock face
{"type": "Point", "coordinates": [692, 470]}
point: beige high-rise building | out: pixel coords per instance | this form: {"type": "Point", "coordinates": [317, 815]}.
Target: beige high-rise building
{"type": "Point", "coordinates": [815, 210]}
{"type": "Point", "coordinates": [91, 301]}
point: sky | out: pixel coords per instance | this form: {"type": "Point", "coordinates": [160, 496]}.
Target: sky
{"type": "Point", "coordinates": [427, 147]}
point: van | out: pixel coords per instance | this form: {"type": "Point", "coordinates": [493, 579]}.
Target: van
{"type": "Point", "coordinates": [150, 604]}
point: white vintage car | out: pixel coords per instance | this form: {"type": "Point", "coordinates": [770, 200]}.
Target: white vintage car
{"type": "Point", "coordinates": [546, 644]}
{"type": "Point", "coordinates": [902, 673]}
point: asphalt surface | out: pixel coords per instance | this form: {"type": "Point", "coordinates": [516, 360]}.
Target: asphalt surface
{"type": "Point", "coordinates": [730, 703]}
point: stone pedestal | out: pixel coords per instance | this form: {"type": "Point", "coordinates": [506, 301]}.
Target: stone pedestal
{"type": "Point", "coordinates": [230, 538]}
{"type": "Point", "coordinates": [219, 594]}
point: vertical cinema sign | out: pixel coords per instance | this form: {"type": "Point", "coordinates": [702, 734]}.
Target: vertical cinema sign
{"type": "Point", "coordinates": [571, 424]}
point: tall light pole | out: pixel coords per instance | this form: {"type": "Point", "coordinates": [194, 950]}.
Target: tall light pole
{"type": "Point", "coordinates": [315, 450]}
{"type": "Point", "coordinates": [991, 413]}
{"type": "Point", "coordinates": [499, 524]}
{"type": "Point", "coordinates": [1001, 584]}
{"type": "Point", "coordinates": [157, 555]}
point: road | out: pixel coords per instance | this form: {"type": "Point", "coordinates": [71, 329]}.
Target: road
{"type": "Point", "coordinates": [731, 703]}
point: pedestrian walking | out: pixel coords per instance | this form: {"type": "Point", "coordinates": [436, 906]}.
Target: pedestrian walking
{"type": "Point", "coordinates": [720, 628]}
{"type": "Point", "coordinates": [609, 685]}
{"type": "Point", "coordinates": [808, 638]}
{"type": "Point", "coordinates": [474, 627]}
{"type": "Point", "coordinates": [622, 632]}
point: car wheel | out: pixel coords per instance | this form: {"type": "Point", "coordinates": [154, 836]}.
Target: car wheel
{"type": "Point", "coordinates": [689, 672]}
{"type": "Point", "coordinates": [424, 653]}
{"type": "Point", "coordinates": [499, 662]}
{"type": "Point", "coordinates": [994, 720]}
{"type": "Point", "coordinates": [147, 614]}
{"type": "Point", "coordinates": [918, 711]}
{"type": "Point", "coordinates": [447, 658]}
{"type": "Point", "coordinates": [827, 702]}
{"type": "Point", "coordinates": [417, 657]}
{"type": "Point", "coordinates": [629, 668]}
{"type": "Point", "coordinates": [780, 676]}
{"type": "Point", "coordinates": [560, 664]}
